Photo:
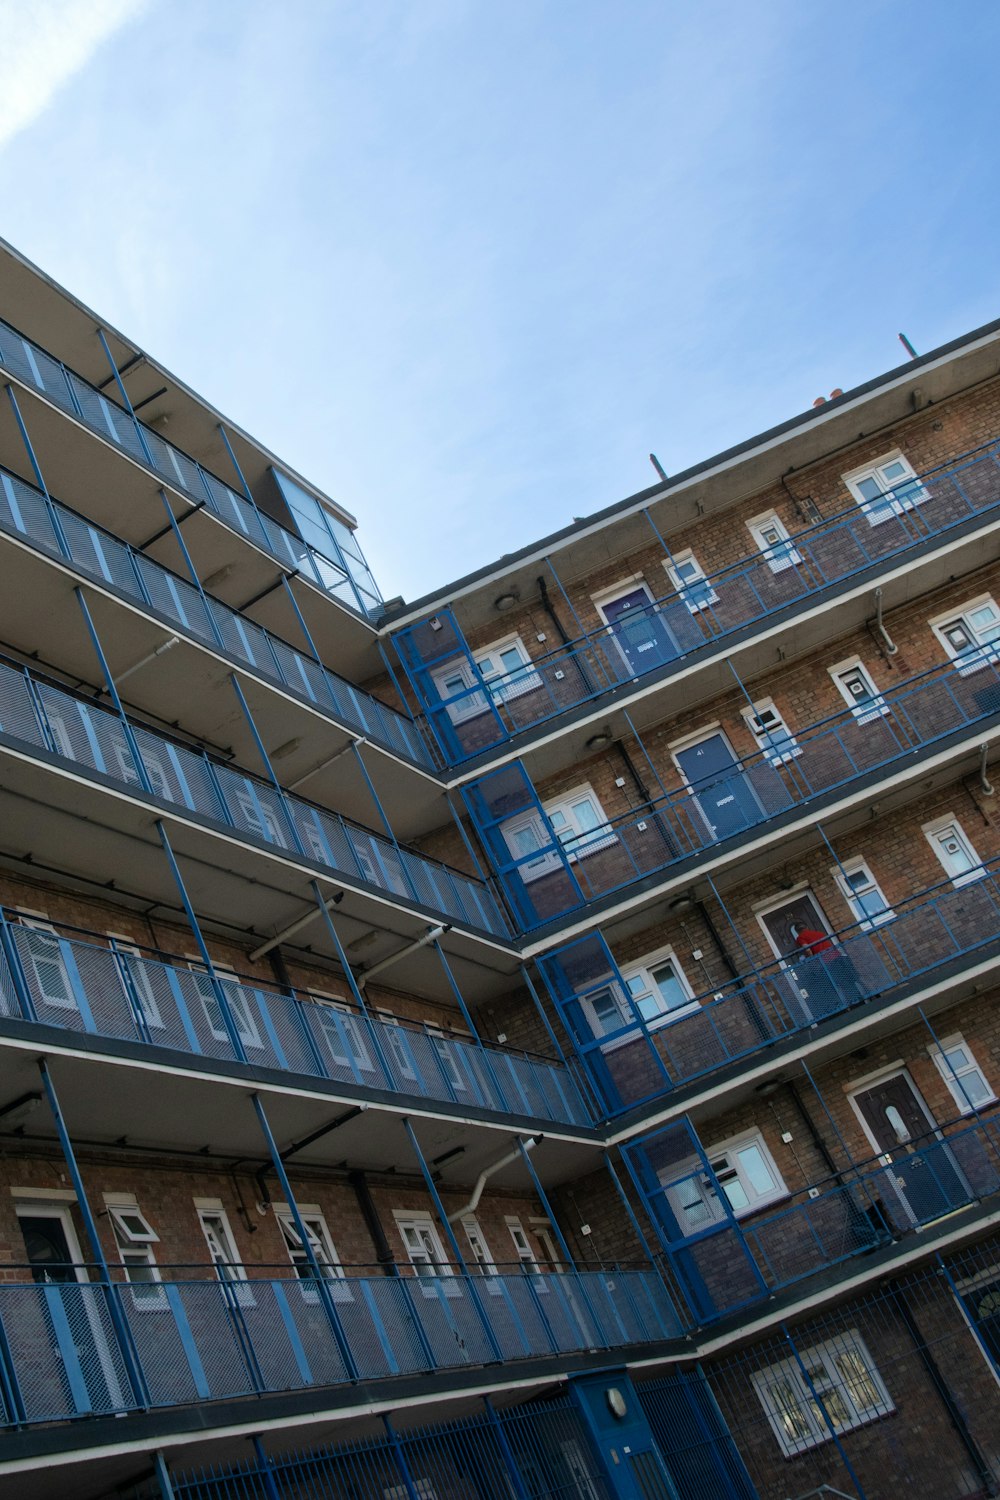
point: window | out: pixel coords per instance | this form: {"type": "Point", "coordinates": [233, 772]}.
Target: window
{"type": "Point", "coordinates": [950, 843]}
{"type": "Point", "coordinates": [656, 989]}
{"type": "Point", "coordinates": [125, 767]}
{"type": "Point", "coordinates": [135, 1238]}
{"type": "Point", "coordinates": [771, 732]}
{"type": "Point", "coordinates": [971, 636]}
{"type": "Point", "coordinates": [397, 1045]}
{"type": "Point", "coordinates": [505, 667]}
{"type": "Point", "coordinates": [862, 893]}
{"type": "Point", "coordinates": [842, 1375]}
{"type": "Point", "coordinates": [690, 582]}
{"type": "Point", "coordinates": [886, 488]}
{"type": "Point", "coordinates": [239, 1007]}
{"type": "Point", "coordinates": [423, 1246]}
{"type": "Point", "coordinates": [963, 1075]}
{"type": "Point", "coordinates": [320, 1243]}
{"type": "Point", "coordinates": [343, 1032]}
{"type": "Point", "coordinates": [215, 1227]}
{"type": "Point", "coordinates": [445, 1053]}
{"type": "Point", "coordinates": [477, 1244]}
{"type": "Point", "coordinates": [773, 540]}
{"type": "Point", "coordinates": [259, 817]}
{"type": "Point", "coordinates": [856, 687]}
{"type": "Point", "coordinates": [578, 822]}
{"type": "Point", "coordinates": [142, 984]}
{"type": "Point", "coordinates": [745, 1171]}
{"type": "Point", "coordinates": [46, 964]}
{"type": "Point", "coordinates": [526, 1256]}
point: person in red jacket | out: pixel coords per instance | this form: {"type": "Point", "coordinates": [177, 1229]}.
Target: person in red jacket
{"type": "Point", "coordinates": [829, 975]}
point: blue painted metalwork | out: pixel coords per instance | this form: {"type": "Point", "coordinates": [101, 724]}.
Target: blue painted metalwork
{"type": "Point", "coordinates": [223, 794]}
{"type": "Point", "coordinates": [54, 381]}
{"type": "Point", "coordinates": [546, 879]}
{"type": "Point", "coordinates": [139, 997]}
{"type": "Point", "coordinates": [634, 1061]}
{"type": "Point", "coordinates": [51, 527]}
{"type": "Point", "coordinates": [53, 515]}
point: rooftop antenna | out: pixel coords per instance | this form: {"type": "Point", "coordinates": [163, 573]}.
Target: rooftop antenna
{"type": "Point", "coordinates": [659, 467]}
{"type": "Point", "coordinates": [907, 346]}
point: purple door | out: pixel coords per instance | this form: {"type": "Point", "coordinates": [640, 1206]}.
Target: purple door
{"type": "Point", "coordinates": [640, 632]}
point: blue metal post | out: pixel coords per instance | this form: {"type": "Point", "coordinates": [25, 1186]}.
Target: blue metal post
{"type": "Point", "coordinates": [630, 1211]}
{"type": "Point", "coordinates": [127, 729]}
{"type": "Point", "coordinates": [192, 570]}
{"type": "Point", "coordinates": [129, 1353]}
{"type": "Point", "coordinates": [506, 1452]}
{"type": "Point", "coordinates": [385, 821]}
{"type": "Point", "coordinates": [735, 930]}
{"type": "Point", "coordinates": [349, 976]}
{"type": "Point", "coordinates": [818, 1399]}
{"type": "Point", "coordinates": [543, 1200]}
{"type": "Point", "coordinates": [971, 1324]}
{"type": "Point", "coordinates": [125, 397]}
{"type": "Point", "coordinates": [322, 1282]}
{"type": "Point", "coordinates": [232, 455]}
{"type": "Point", "coordinates": [452, 1238]}
{"type": "Point", "coordinates": [823, 1105]}
{"type": "Point", "coordinates": [300, 847]}
{"type": "Point", "coordinates": [235, 1040]}
{"type": "Point", "coordinates": [301, 618]}
{"type": "Point", "coordinates": [264, 1469]}
{"type": "Point", "coordinates": [36, 467]}
{"type": "Point", "coordinates": [412, 1492]}
{"type": "Point", "coordinates": [646, 756]}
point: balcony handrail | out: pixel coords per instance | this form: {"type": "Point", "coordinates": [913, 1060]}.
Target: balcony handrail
{"type": "Point", "coordinates": [303, 992]}
{"type": "Point", "coordinates": [372, 724]}
{"type": "Point", "coordinates": [508, 685]}
{"type": "Point", "coordinates": [273, 812]}
{"type": "Point", "coordinates": [289, 548]}
{"type": "Point", "coordinates": [781, 772]}
{"type": "Point", "coordinates": [98, 1348]}
{"type": "Point", "coordinates": [106, 989]}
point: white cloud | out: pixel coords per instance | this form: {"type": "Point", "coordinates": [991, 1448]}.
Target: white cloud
{"type": "Point", "coordinates": [46, 42]}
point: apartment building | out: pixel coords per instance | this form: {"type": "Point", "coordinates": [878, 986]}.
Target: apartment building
{"type": "Point", "coordinates": [538, 1040]}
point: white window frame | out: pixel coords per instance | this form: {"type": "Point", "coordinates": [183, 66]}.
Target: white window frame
{"type": "Point", "coordinates": [771, 733]}
{"type": "Point", "coordinates": [522, 1246]}
{"type": "Point", "coordinates": [323, 1248]}
{"type": "Point", "coordinates": [723, 1159]}
{"type": "Point", "coordinates": [406, 1060]}
{"type": "Point", "coordinates": [842, 875]}
{"type": "Point", "coordinates": [475, 703]}
{"type": "Point", "coordinates": [135, 1248]}
{"type": "Point", "coordinates": [780, 553]}
{"type": "Point", "coordinates": [432, 1264]}
{"type": "Point", "coordinates": [954, 1075]}
{"type": "Point", "coordinates": [874, 707]}
{"type": "Point", "coordinates": [26, 1206]}
{"type": "Point", "coordinates": [442, 1046]}
{"type": "Point", "coordinates": [627, 1005]}
{"type": "Point", "coordinates": [144, 990]}
{"type": "Point", "coordinates": [873, 512]}
{"type": "Point", "coordinates": [229, 1268]}
{"type": "Point", "coordinates": [684, 586]}
{"type": "Point", "coordinates": [246, 1027]}
{"type": "Point", "coordinates": [831, 1387]}
{"type": "Point", "coordinates": [940, 829]}
{"type": "Point", "coordinates": [260, 817]}
{"type": "Point", "coordinates": [39, 922]}
{"type": "Point", "coordinates": [481, 1253]}
{"type": "Point", "coordinates": [601, 837]}
{"type": "Point", "coordinates": [982, 648]}
{"type": "Point", "coordinates": [362, 1059]}
{"type": "Point", "coordinates": [129, 773]}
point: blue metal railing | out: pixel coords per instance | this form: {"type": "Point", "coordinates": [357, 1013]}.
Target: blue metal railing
{"type": "Point", "coordinates": [732, 1263]}
{"type": "Point", "coordinates": [96, 986]}
{"type": "Point", "coordinates": [828, 756]}
{"type": "Point", "coordinates": [477, 715]}
{"type": "Point", "coordinates": [629, 1064]}
{"type": "Point", "coordinates": [42, 715]}
{"type": "Point", "coordinates": [26, 512]}
{"type": "Point", "coordinates": [205, 1340]}
{"type": "Point", "coordinates": [41, 372]}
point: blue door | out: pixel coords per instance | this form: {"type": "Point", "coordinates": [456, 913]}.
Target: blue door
{"type": "Point", "coordinates": [641, 634]}
{"type": "Point", "coordinates": [721, 789]}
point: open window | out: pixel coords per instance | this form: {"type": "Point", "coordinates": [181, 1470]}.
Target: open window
{"type": "Point", "coordinates": [222, 1250]}
{"type": "Point", "coordinates": [745, 1171]}
{"type": "Point", "coordinates": [135, 1238]}
{"type": "Point", "coordinates": [320, 1243]}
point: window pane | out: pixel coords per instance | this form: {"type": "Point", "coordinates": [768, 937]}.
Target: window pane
{"type": "Point", "coordinates": [757, 1172]}
{"type": "Point", "coordinates": [669, 987]}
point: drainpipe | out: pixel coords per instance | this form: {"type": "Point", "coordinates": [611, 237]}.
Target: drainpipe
{"type": "Point", "coordinates": [984, 780]}
{"type": "Point", "coordinates": [890, 647]}
{"type": "Point", "coordinates": [549, 608]}
{"type": "Point", "coordinates": [358, 1181]}
{"type": "Point", "coordinates": [430, 936]}
{"type": "Point", "coordinates": [487, 1172]}
{"type": "Point", "coordinates": [167, 645]}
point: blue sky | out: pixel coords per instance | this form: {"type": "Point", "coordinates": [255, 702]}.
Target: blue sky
{"type": "Point", "coordinates": [464, 264]}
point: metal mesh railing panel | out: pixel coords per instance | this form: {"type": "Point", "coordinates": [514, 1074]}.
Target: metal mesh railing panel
{"type": "Point", "coordinates": [209, 1315]}
{"type": "Point", "coordinates": [17, 710]}
{"type": "Point", "coordinates": [64, 1351]}
{"type": "Point", "coordinates": [450, 1320]}
{"type": "Point", "coordinates": [380, 1327]}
